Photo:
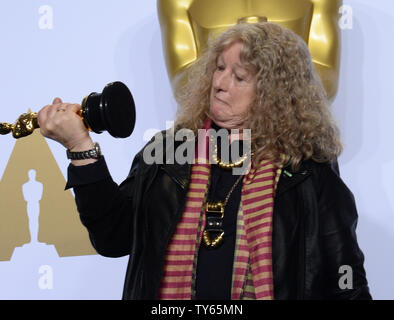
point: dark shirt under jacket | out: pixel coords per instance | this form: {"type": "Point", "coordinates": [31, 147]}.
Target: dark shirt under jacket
{"type": "Point", "coordinates": [215, 266]}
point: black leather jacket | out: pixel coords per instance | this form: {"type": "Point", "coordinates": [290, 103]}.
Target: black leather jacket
{"type": "Point", "coordinates": [314, 226]}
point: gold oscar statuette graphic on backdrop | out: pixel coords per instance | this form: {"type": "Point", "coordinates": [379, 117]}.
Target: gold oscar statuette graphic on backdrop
{"type": "Point", "coordinates": [59, 222]}
{"type": "Point", "coordinates": [186, 26]}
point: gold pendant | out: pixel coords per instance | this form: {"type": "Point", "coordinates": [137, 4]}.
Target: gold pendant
{"type": "Point", "coordinates": [212, 243]}
{"type": "Point", "coordinates": [216, 208]}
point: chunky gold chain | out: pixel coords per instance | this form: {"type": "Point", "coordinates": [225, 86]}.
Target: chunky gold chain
{"type": "Point", "coordinates": [230, 165]}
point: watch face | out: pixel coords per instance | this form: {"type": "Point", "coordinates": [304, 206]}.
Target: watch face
{"type": "Point", "coordinates": [97, 149]}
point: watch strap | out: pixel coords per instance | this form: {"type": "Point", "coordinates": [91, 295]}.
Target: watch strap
{"type": "Point", "coordinates": [94, 153]}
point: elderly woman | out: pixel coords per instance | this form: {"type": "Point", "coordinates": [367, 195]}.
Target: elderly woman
{"type": "Point", "coordinates": [283, 229]}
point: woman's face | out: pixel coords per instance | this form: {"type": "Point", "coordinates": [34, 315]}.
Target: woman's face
{"type": "Point", "coordinates": [232, 89]}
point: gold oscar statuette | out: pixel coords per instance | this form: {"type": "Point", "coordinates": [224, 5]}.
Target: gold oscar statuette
{"type": "Point", "coordinates": [23, 127]}
{"type": "Point", "coordinates": [113, 110]}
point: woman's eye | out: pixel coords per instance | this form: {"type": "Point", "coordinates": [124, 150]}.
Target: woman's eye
{"type": "Point", "coordinates": [220, 67]}
{"type": "Point", "coordinates": [239, 78]}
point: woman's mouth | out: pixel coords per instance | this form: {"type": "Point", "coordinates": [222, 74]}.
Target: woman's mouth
{"type": "Point", "coordinates": [220, 100]}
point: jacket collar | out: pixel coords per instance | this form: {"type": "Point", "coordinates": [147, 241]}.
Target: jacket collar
{"type": "Point", "coordinates": [180, 173]}
{"type": "Point", "coordinates": [290, 178]}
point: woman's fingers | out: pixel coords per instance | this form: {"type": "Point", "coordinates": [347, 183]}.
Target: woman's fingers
{"type": "Point", "coordinates": [61, 122]}
{"type": "Point", "coordinates": [57, 100]}
{"type": "Point", "coordinates": [42, 115]}
{"type": "Point", "coordinates": [75, 108]}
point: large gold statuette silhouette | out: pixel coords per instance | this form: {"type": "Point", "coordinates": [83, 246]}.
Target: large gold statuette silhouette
{"type": "Point", "coordinates": [34, 211]}
{"type": "Point", "coordinates": [187, 25]}
{"type": "Point", "coordinates": [113, 110]}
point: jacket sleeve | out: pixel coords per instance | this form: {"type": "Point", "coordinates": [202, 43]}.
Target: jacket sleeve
{"type": "Point", "coordinates": [105, 208]}
{"type": "Point", "coordinates": [344, 276]}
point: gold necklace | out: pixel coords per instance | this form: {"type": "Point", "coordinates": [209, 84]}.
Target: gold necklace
{"type": "Point", "coordinates": [229, 165]}
{"type": "Point", "coordinates": [215, 223]}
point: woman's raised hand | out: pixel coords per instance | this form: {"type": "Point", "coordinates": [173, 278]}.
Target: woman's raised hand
{"type": "Point", "coordinates": [61, 122]}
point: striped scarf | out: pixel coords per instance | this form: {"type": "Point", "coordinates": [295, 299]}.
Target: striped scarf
{"type": "Point", "coordinates": [252, 270]}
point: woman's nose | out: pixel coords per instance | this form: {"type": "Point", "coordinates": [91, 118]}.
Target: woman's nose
{"type": "Point", "coordinates": [221, 81]}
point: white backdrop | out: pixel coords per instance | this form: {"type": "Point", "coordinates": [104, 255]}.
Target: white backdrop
{"type": "Point", "coordinates": [93, 42]}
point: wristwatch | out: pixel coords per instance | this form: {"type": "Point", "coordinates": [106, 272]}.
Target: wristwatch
{"type": "Point", "coordinates": [94, 153]}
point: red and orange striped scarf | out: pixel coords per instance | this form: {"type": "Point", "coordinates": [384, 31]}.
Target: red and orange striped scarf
{"type": "Point", "coordinates": [252, 270]}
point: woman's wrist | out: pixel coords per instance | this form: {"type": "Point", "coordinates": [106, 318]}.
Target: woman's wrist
{"type": "Point", "coordinates": [83, 146]}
